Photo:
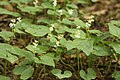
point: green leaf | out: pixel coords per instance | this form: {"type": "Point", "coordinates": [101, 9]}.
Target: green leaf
{"type": "Point", "coordinates": [101, 37]}
{"type": "Point", "coordinates": [47, 59]}
{"type": "Point", "coordinates": [25, 71]}
{"type": "Point", "coordinates": [38, 31]}
{"type": "Point", "coordinates": [4, 3]}
{"type": "Point", "coordinates": [4, 11]}
{"type": "Point", "coordinates": [70, 45]}
{"type": "Point", "coordinates": [79, 23]}
{"type": "Point", "coordinates": [82, 74]}
{"type": "Point", "coordinates": [6, 55]}
{"type": "Point", "coordinates": [66, 21]}
{"type": "Point", "coordinates": [91, 74]}
{"type": "Point", "coordinates": [114, 30]}
{"type": "Point", "coordinates": [10, 52]}
{"type": "Point", "coordinates": [101, 50]}
{"type": "Point", "coordinates": [115, 22]}
{"type": "Point", "coordinates": [70, 30]}
{"type": "Point", "coordinates": [57, 72]}
{"type": "Point", "coordinates": [4, 78]}
{"type": "Point", "coordinates": [72, 6]}
{"type": "Point", "coordinates": [45, 21]}
{"type": "Point", "coordinates": [19, 69]}
{"type": "Point", "coordinates": [85, 45]}
{"type": "Point", "coordinates": [6, 35]}
{"type": "Point", "coordinates": [30, 9]}
{"type": "Point", "coordinates": [21, 1]}
{"type": "Point", "coordinates": [115, 46]}
{"type": "Point", "coordinates": [83, 1]}
{"type": "Point", "coordinates": [79, 34]}
{"type": "Point", "coordinates": [51, 12]}
{"type": "Point", "coordinates": [39, 49]}
{"type": "Point", "coordinates": [47, 5]}
{"type": "Point", "coordinates": [95, 31]}
{"type": "Point", "coordinates": [116, 75]}
{"type": "Point", "coordinates": [16, 30]}
{"type": "Point", "coordinates": [94, 0]}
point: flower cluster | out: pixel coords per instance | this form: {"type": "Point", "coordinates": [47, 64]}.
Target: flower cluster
{"type": "Point", "coordinates": [60, 12]}
{"type": "Point", "coordinates": [90, 21]}
{"type": "Point", "coordinates": [49, 36]}
{"type": "Point", "coordinates": [60, 36]}
{"type": "Point", "coordinates": [77, 35]}
{"type": "Point", "coordinates": [35, 43]}
{"type": "Point", "coordinates": [14, 21]}
{"type": "Point", "coordinates": [54, 3]}
{"type": "Point", "coordinates": [70, 11]}
{"type": "Point", "coordinates": [35, 3]}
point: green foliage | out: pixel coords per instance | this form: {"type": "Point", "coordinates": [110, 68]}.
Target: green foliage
{"type": "Point", "coordinates": [10, 53]}
{"type": "Point", "coordinates": [114, 30]}
{"type": "Point", "coordinates": [4, 77]}
{"type": "Point", "coordinates": [30, 9]}
{"type": "Point", "coordinates": [47, 59]}
{"type": "Point", "coordinates": [4, 11]}
{"type": "Point", "coordinates": [57, 72]}
{"type": "Point", "coordinates": [59, 31]}
{"type": "Point", "coordinates": [4, 2]}
{"type": "Point", "coordinates": [91, 74]}
{"type": "Point", "coordinates": [21, 1]}
{"type": "Point", "coordinates": [25, 71]}
{"type": "Point", "coordinates": [6, 35]}
{"type": "Point", "coordinates": [101, 50]}
{"type": "Point", "coordinates": [116, 75]}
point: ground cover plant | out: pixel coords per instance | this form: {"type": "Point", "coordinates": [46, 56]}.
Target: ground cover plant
{"type": "Point", "coordinates": [57, 40]}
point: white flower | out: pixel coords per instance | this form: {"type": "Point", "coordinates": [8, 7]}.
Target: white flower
{"type": "Point", "coordinates": [57, 43]}
{"type": "Point", "coordinates": [35, 44]}
{"type": "Point", "coordinates": [49, 36]}
{"type": "Point", "coordinates": [35, 3]}
{"type": "Point", "coordinates": [13, 20]}
{"type": "Point", "coordinates": [70, 11]}
{"type": "Point", "coordinates": [87, 25]}
{"type": "Point", "coordinates": [60, 36]}
{"type": "Point", "coordinates": [53, 25]}
{"type": "Point", "coordinates": [36, 41]}
{"type": "Point", "coordinates": [11, 25]}
{"type": "Point", "coordinates": [60, 11]}
{"type": "Point", "coordinates": [54, 3]}
{"type": "Point", "coordinates": [77, 35]}
{"type": "Point", "coordinates": [51, 29]}
{"type": "Point", "coordinates": [78, 27]}
{"type": "Point", "coordinates": [19, 19]}
{"type": "Point", "coordinates": [91, 20]}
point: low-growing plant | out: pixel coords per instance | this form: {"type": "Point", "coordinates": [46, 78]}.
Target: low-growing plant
{"type": "Point", "coordinates": [60, 31]}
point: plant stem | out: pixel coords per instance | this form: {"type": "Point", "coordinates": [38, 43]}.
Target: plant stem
{"type": "Point", "coordinates": [67, 65]}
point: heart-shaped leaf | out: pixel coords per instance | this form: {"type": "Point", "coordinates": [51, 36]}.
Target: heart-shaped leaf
{"type": "Point", "coordinates": [58, 73]}
{"type": "Point", "coordinates": [25, 71]}
{"type": "Point", "coordinates": [47, 59]}
{"type": "Point", "coordinates": [101, 50]}
{"type": "Point", "coordinates": [89, 75]}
